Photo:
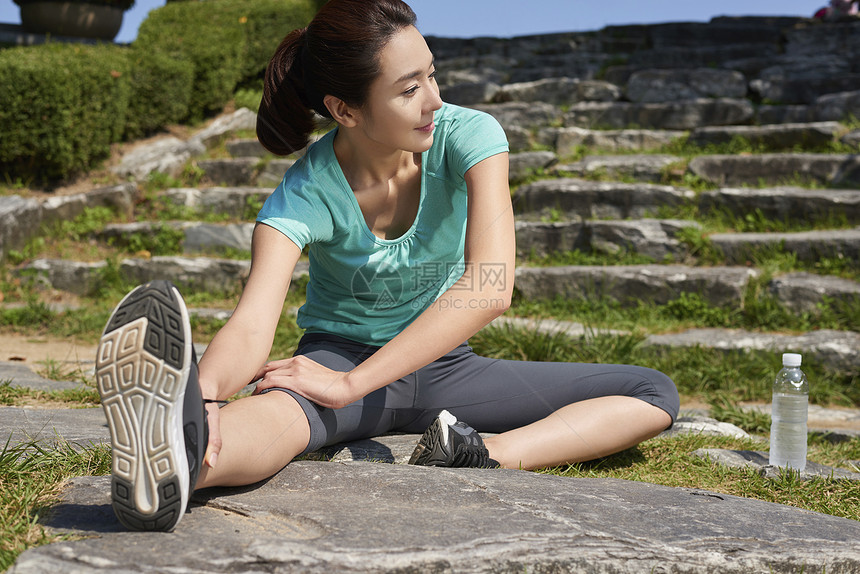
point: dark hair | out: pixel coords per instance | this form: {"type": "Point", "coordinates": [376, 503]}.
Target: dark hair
{"type": "Point", "coordinates": [337, 55]}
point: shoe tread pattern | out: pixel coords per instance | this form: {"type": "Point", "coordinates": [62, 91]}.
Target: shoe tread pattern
{"type": "Point", "coordinates": [462, 449]}
{"type": "Point", "coordinates": [139, 372]}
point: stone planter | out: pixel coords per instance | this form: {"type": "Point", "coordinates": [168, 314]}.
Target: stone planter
{"type": "Point", "coordinates": [73, 19]}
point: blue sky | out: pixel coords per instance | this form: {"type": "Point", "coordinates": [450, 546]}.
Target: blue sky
{"type": "Point", "coordinates": [469, 18]}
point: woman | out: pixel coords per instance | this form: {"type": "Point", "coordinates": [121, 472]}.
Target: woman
{"type": "Point", "coordinates": [406, 212]}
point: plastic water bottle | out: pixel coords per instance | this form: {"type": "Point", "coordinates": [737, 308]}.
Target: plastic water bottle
{"type": "Point", "coordinates": [788, 413]}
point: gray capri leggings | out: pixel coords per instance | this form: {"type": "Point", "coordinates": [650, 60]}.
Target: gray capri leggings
{"type": "Point", "coordinates": [491, 395]}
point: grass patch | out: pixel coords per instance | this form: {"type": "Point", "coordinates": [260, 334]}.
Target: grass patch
{"type": "Point", "coordinates": [757, 311]}
{"type": "Point", "coordinates": [739, 145]}
{"type": "Point", "coordinates": [84, 396]}
{"type": "Point", "coordinates": [698, 372]}
{"type": "Point", "coordinates": [32, 475]}
{"type": "Point", "coordinates": [578, 257]}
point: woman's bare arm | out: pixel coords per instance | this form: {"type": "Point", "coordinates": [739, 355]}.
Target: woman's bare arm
{"type": "Point", "coordinates": [242, 346]}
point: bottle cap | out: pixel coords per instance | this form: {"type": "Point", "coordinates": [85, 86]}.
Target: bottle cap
{"type": "Point", "coordinates": [791, 359]}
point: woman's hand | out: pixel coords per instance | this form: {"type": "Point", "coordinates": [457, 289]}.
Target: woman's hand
{"type": "Point", "coordinates": [308, 378]}
{"type": "Point", "coordinates": [213, 420]}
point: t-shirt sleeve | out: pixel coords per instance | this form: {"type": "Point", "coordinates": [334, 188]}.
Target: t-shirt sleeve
{"type": "Point", "coordinates": [297, 212]}
{"type": "Point", "coordinates": [474, 137]}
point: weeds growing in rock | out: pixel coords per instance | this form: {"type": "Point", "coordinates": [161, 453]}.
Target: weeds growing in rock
{"type": "Point", "coordinates": [31, 474]}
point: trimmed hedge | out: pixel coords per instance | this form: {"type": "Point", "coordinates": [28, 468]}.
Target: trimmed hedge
{"type": "Point", "coordinates": [227, 42]}
{"type": "Point", "coordinates": [265, 24]}
{"type": "Point", "coordinates": [160, 92]}
{"type": "Point", "coordinates": [63, 105]}
{"type": "Point", "coordinates": [201, 34]}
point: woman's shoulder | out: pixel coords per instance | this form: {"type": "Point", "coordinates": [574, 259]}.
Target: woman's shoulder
{"type": "Point", "coordinates": [464, 125]}
{"type": "Point", "coordinates": [313, 165]}
{"type": "Point", "coordinates": [458, 114]}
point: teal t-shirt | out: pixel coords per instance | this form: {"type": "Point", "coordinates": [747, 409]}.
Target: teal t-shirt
{"type": "Point", "coordinates": [363, 287]}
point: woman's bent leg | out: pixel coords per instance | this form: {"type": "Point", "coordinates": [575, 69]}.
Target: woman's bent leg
{"type": "Point", "coordinates": [578, 432]}
{"type": "Point", "coordinates": [260, 435]}
{"type": "Point", "coordinates": [549, 413]}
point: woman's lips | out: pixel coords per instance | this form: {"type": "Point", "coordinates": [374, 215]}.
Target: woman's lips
{"type": "Point", "coordinates": [428, 128]}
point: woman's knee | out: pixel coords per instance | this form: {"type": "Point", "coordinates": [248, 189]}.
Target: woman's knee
{"type": "Point", "coordinates": [275, 418]}
{"type": "Point", "coordinates": [663, 392]}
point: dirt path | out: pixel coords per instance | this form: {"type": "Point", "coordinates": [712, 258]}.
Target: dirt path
{"type": "Point", "coordinates": [35, 351]}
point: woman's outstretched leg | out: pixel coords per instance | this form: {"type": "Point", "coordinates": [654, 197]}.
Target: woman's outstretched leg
{"type": "Point", "coordinates": [259, 436]}
{"type": "Point", "coordinates": [147, 380]}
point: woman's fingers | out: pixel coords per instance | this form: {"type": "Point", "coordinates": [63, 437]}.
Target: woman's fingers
{"type": "Point", "coordinates": [213, 448]}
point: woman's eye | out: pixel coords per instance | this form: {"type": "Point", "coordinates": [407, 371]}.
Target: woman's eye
{"type": "Point", "coordinates": [411, 91]}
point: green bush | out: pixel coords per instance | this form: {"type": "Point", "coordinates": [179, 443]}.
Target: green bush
{"type": "Point", "coordinates": [199, 33]}
{"type": "Point", "coordinates": [265, 23]}
{"type": "Point", "coordinates": [228, 43]}
{"type": "Point", "coordinates": [63, 105]}
{"type": "Point", "coordinates": [160, 91]}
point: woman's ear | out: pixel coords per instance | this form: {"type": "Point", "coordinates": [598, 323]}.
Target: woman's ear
{"type": "Point", "coordinates": [341, 112]}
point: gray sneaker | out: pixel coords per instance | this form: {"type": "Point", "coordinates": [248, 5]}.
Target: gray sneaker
{"type": "Point", "coordinates": [452, 443]}
{"type": "Point", "coordinates": [147, 379]}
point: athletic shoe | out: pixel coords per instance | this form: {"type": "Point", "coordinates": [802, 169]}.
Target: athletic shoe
{"type": "Point", "coordinates": [452, 443]}
{"type": "Point", "coordinates": [147, 379]}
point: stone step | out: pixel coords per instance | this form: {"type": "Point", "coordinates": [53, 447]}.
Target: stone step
{"type": "Point", "coordinates": [206, 237]}
{"type": "Point", "coordinates": [773, 137]}
{"type": "Point", "coordinates": [238, 202]}
{"type": "Point", "coordinates": [679, 115]}
{"type": "Point", "coordinates": [778, 169]}
{"type": "Point", "coordinates": [803, 292]}
{"type": "Point", "coordinates": [524, 164]}
{"type": "Point", "coordinates": [558, 91]}
{"type": "Point", "coordinates": [808, 246]}
{"type": "Point", "coordinates": [251, 147]}
{"type": "Point", "coordinates": [639, 167]}
{"type": "Point", "coordinates": [633, 284]}
{"type": "Point", "coordinates": [799, 292]}
{"type": "Point", "coordinates": [796, 204]}
{"type": "Point", "coordinates": [569, 141]}
{"type": "Point", "coordinates": [653, 238]}
{"type": "Point", "coordinates": [582, 199]}
{"type": "Point", "coordinates": [579, 199]}
{"type": "Point", "coordinates": [245, 171]}
{"type": "Point", "coordinates": [839, 350]}
{"type": "Point", "coordinates": [648, 237]}
{"type": "Point", "coordinates": [170, 154]}
{"type": "Point", "coordinates": [255, 172]}
{"type": "Point", "coordinates": [191, 273]}
{"type": "Point", "coordinates": [673, 84]}
{"type": "Point", "coordinates": [22, 219]}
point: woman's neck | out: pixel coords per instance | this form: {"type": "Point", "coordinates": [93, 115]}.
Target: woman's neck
{"type": "Point", "coordinates": [366, 164]}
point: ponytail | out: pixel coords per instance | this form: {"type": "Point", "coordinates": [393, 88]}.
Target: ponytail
{"type": "Point", "coordinates": [285, 120]}
{"type": "Point", "coordinates": [337, 55]}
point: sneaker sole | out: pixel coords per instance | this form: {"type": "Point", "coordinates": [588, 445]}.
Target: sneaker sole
{"type": "Point", "coordinates": [142, 369]}
{"type": "Point", "coordinates": [427, 452]}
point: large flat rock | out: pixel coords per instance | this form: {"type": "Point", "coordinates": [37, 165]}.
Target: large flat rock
{"type": "Point", "coordinates": [367, 517]}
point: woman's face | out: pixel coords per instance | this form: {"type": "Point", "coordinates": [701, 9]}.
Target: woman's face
{"type": "Point", "coordinates": [402, 99]}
